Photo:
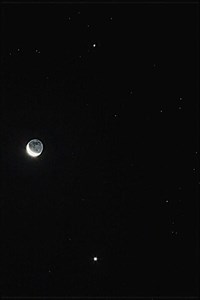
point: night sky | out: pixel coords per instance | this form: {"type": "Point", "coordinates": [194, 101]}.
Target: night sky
{"type": "Point", "coordinates": [110, 206]}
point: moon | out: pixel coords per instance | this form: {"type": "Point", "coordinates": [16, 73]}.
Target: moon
{"type": "Point", "coordinates": [34, 148]}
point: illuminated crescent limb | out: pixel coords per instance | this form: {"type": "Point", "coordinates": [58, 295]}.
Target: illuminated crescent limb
{"type": "Point", "coordinates": [30, 152]}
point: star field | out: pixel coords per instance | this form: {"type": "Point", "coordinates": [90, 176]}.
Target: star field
{"type": "Point", "coordinates": [110, 207]}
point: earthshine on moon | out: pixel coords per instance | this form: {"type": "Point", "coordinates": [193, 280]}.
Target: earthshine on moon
{"type": "Point", "coordinates": [34, 148]}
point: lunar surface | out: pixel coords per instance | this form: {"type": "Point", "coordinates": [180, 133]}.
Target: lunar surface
{"type": "Point", "coordinates": [34, 148]}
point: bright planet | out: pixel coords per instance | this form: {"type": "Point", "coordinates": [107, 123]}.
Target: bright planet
{"type": "Point", "coordinates": [34, 148]}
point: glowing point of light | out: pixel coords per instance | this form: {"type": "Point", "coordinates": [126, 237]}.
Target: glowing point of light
{"type": "Point", "coordinates": [34, 148]}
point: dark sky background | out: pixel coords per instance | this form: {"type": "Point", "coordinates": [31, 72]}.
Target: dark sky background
{"type": "Point", "coordinates": [111, 91]}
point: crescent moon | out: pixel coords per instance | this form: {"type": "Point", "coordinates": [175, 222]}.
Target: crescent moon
{"type": "Point", "coordinates": [30, 152]}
